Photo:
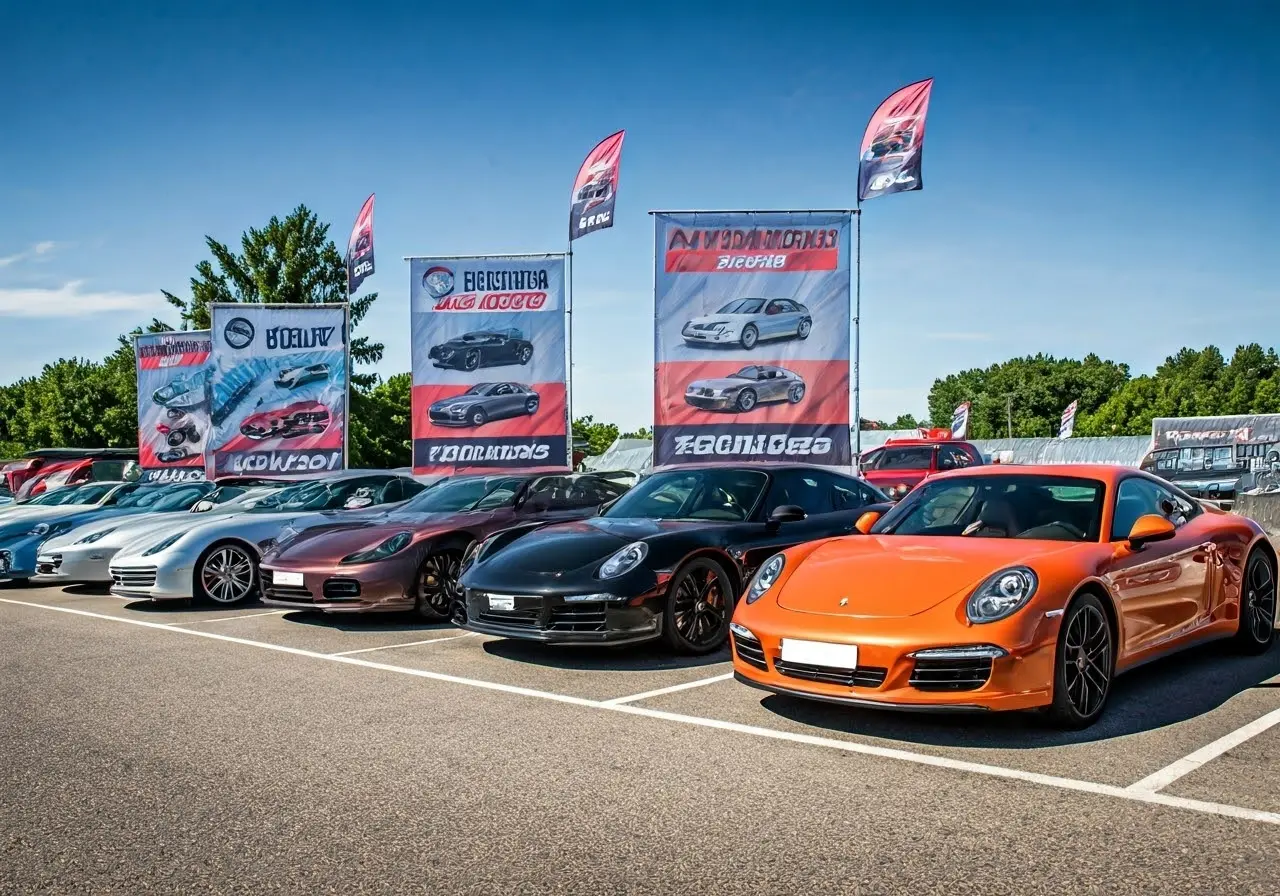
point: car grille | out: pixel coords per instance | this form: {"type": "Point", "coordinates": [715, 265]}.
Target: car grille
{"type": "Point", "coordinates": [750, 652]}
{"type": "Point", "coordinates": [293, 593]}
{"type": "Point", "coordinates": [133, 576]}
{"type": "Point", "coordinates": [703, 391]}
{"type": "Point", "coordinates": [447, 416]}
{"type": "Point", "coordinates": [861, 677]}
{"type": "Point", "coordinates": [341, 589]}
{"type": "Point", "coordinates": [578, 617]}
{"type": "Point", "coordinates": [519, 618]}
{"type": "Point", "coordinates": [950, 675]}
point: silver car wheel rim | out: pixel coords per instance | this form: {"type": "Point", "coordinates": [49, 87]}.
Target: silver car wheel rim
{"type": "Point", "coordinates": [227, 576]}
{"type": "Point", "coordinates": [747, 401]}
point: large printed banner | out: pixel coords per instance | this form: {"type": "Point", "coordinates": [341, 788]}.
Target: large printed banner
{"type": "Point", "coordinates": [751, 317]}
{"type": "Point", "coordinates": [489, 374]}
{"type": "Point", "coordinates": [279, 390]}
{"type": "Point", "coordinates": [173, 404]}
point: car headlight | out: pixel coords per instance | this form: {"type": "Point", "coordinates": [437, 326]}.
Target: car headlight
{"type": "Point", "coordinates": [623, 561]}
{"type": "Point", "coordinates": [47, 531]}
{"type": "Point", "coordinates": [765, 578]}
{"type": "Point", "coordinates": [1002, 594]}
{"type": "Point", "coordinates": [95, 536]}
{"type": "Point", "coordinates": [392, 545]}
{"type": "Point", "coordinates": [167, 543]}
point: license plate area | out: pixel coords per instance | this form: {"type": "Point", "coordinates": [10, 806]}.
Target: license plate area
{"type": "Point", "coordinates": [291, 579]}
{"type": "Point", "coordinates": [503, 603]}
{"type": "Point", "coordinates": [820, 653]}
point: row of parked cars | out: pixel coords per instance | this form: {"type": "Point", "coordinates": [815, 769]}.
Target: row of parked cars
{"type": "Point", "coordinates": [983, 587]}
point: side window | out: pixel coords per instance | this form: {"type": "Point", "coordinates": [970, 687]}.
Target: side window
{"type": "Point", "coordinates": [392, 492]}
{"type": "Point", "coordinates": [849, 494]}
{"type": "Point", "coordinates": [410, 487]}
{"type": "Point", "coordinates": [501, 493]}
{"type": "Point", "coordinates": [804, 488]}
{"type": "Point", "coordinates": [870, 459]}
{"type": "Point", "coordinates": [953, 457]}
{"type": "Point", "coordinates": [1137, 497]}
{"type": "Point", "coordinates": [504, 389]}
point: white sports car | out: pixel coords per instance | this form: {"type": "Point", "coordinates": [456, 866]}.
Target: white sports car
{"type": "Point", "coordinates": [744, 322]}
{"type": "Point", "coordinates": [216, 560]}
{"type": "Point", "coordinates": [83, 555]}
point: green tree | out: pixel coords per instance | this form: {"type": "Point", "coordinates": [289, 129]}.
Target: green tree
{"type": "Point", "coordinates": [381, 424]}
{"type": "Point", "coordinates": [643, 432]}
{"type": "Point", "coordinates": [599, 436]}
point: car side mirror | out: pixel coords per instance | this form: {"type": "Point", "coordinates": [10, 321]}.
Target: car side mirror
{"type": "Point", "coordinates": [203, 506]}
{"type": "Point", "coordinates": [1150, 528]}
{"type": "Point", "coordinates": [866, 521]}
{"type": "Point", "coordinates": [786, 513]}
{"type": "Point", "coordinates": [605, 506]}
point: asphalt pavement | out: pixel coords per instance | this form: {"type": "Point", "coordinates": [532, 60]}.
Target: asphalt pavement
{"type": "Point", "coordinates": [157, 749]}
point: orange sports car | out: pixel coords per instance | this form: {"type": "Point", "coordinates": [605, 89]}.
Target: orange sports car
{"type": "Point", "coordinates": [1000, 588]}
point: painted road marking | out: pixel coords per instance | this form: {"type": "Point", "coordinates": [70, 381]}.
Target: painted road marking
{"type": "Point", "coordinates": [1157, 781]}
{"type": "Point", "coordinates": [617, 701]}
{"type": "Point", "coordinates": [995, 771]}
{"type": "Point", "coordinates": [410, 644]}
{"type": "Point", "coordinates": [230, 618]}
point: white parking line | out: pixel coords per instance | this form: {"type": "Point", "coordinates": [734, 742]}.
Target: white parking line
{"type": "Point", "coordinates": [1139, 796]}
{"type": "Point", "coordinates": [1157, 781]}
{"type": "Point", "coordinates": [410, 644]}
{"type": "Point", "coordinates": [230, 618]}
{"type": "Point", "coordinates": [617, 701]}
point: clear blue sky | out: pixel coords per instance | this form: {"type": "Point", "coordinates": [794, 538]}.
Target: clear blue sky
{"type": "Point", "coordinates": [1103, 180]}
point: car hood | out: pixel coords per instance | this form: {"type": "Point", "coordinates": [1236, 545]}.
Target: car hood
{"type": "Point", "coordinates": [124, 531]}
{"type": "Point", "coordinates": [465, 400]}
{"type": "Point", "coordinates": [15, 527]}
{"type": "Point", "coordinates": [893, 576]}
{"type": "Point", "coordinates": [720, 319]}
{"type": "Point", "coordinates": [335, 540]}
{"type": "Point", "coordinates": [723, 382]}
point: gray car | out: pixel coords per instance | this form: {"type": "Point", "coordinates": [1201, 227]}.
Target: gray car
{"type": "Point", "coordinates": [744, 322]}
{"type": "Point", "coordinates": [752, 385]}
{"type": "Point", "coordinates": [484, 402]}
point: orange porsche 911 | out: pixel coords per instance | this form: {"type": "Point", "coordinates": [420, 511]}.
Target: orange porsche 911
{"type": "Point", "coordinates": [1001, 588]}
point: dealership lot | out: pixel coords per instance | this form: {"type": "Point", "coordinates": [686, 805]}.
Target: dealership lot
{"type": "Point", "coordinates": [254, 750]}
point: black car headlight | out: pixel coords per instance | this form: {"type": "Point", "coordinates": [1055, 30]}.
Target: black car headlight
{"type": "Point", "coordinates": [1001, 595]}
{"type": "Point", "coordinates": [163, 545]}
{"type": "Point", "coordinates": [393, 545]}
{"type": "Point", "coordinates": [96, 536]}
{"type": "Point", "coordinates": [47, 531]}
{"type": "Point", "coordinates": [766, 577]}
{"type": "Point", "coordinates": [623, 561]}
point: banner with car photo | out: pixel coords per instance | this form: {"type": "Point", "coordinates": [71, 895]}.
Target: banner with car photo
{"type": "Point", "coordinates": [279, 390]}
{"type": "Point", "coordinates": [1214, 457]}
{"type": "Point", "coordinates": [751, 337]}
{"type": "Point", "coordinates": [489, 372]}
{"type": "Point", "coordinates": [173, 403]}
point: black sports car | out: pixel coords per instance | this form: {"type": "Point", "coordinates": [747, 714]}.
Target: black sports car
{"type": "Point", "coordinates": [665, 560]}
{"type": "Point", "coordinates": [484, 348]}
{"type": "Point", "coordinates": [484, 402]}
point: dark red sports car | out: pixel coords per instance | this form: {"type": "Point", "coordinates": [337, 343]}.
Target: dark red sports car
{"type": "Point", "coordinates": [410, 559]}
{"type": "Point", "coordinates": [304, 418]}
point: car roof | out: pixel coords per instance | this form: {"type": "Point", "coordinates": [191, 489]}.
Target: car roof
{"type": "Point", "coordinates": [1108, 473]}
{"type": "Point", "coordinates": [762, 466]}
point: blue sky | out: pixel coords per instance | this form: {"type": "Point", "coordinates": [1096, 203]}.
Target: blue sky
{"type": "Point", "coordinates": [1098, 177]}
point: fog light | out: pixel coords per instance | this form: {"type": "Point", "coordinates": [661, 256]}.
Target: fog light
{"type": "Point", "coordinates": [977, 652]}
{"type": "Point", "coordinates": [743, 632]}
{"type": "Point", "coordinates": [599, 595]}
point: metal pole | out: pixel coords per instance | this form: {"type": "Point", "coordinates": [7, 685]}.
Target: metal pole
{"type": "Point", "coordinates": [857, 339]}
{"type": "Point", "coordinates": [346, 429]}
{"type": "Point", "coordinates": [568, 405]}
{"type": "Point", "coordinates": [1009, 411]}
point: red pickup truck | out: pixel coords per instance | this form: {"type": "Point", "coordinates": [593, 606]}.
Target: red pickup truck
{"type": "Point", "coordinates": [899, 465]}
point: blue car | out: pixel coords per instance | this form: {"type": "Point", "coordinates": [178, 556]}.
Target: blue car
{"type": "Point", "coordinates": [20, 540]}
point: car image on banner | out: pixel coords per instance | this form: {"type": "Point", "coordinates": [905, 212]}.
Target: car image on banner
{"type": "Point", "coordinates": [278, 390]}
{"type": "Point", "coordinates": [173, 403]}
{"type": "Point", "coordinates": [751, 333]}
{"type": "Point", "coordinates": [489, 372]}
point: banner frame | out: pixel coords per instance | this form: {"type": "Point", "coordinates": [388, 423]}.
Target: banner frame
{"type": "Point", "coordinates": [489, 255]}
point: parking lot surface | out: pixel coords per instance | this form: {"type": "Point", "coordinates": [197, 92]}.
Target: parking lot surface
{"type": "Point", "coordinates": [173, 749]}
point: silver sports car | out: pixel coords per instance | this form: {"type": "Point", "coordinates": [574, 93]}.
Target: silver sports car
{"type": "Point", "coordinates": [752, 385]}
{"type": "Point", "coordinates": [744, 322]}
{"type": "Point", "coordinates": [217, 560]}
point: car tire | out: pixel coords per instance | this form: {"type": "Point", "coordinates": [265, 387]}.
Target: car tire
{"type": "Point", "coordinates": [526, 354]}
{"type": "Point", "coordinates": [478, 417]}
{"type": "Point", "coordinates": [531, 406]}
{"type": "Point", "coordinates": [802, 331]}
{"type": "Point", "coordinates": [175, 438]}
{"type": "Point", "coordinates": [750, 336]}
{"type": "Point", "coordinates": [1083, 665]}
{"type": "Point", "coordinates": [471, 360]}
{"type": "Point", "coordinates": [436, 585]}
{"type": "Point", "coordinates": [746, 400]}
{"type": "Point", "coordinates": [701, 587]}
{"type": "Point", "coordinates": [226, 575]}
{"type": "Point", "coordinates": [1257, 605]}
{"type": "Point", "coordinates": [795, 394]}
{"type": "Point", "coordinates": [173, 413]}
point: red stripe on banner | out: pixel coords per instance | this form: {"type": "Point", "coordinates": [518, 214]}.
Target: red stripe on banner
{"type": "Point", "coordinates": [158, 362]}
{"type": "Point", "coordinates": [825, 398]}
{"type": "Point", "coordinates": [547, 420]}
{"type": "Point", "coordinates": [740, 261]}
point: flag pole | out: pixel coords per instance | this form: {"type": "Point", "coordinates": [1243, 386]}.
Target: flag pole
{"type": "Point", "coordinates": [857, 336]}
{"type": "Point", "coordinates": [568, 404]}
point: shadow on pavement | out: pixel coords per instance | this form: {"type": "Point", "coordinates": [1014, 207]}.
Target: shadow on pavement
{"type": "Point", "coordinates": [1172, 690]}
{"type": "Point", "coordinates": [638, 658]}
{"type": "Point", "coordinates": [366, 622]}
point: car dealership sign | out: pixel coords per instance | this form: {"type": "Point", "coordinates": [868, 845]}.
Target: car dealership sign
{"type": "Point", "coordinates": [173, 403]}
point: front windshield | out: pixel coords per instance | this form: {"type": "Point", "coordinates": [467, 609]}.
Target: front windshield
{"type": "Point", "coordinates": [747, 373]}
{"type": "Point", "coordinates": [60, 496]}
{"type": "Point", "coordinates": [710, 494]}
{"type": "Point", "coordinates": [472, 493]}
{"type": "Point", "coordinates": [743, 306]}
{"type": "Point", "coordinates": [271, 501]}
{"type": "Point", "coordinates": [1051, 508]}
{"type": "Point", "coordinates": [316, 496]}
{"type": "Point", "coordinates": [175, 496]}
{"type": "Point", "coordinates": [478, 389]}
{"type": "Point", "coordinates": [913, 457]}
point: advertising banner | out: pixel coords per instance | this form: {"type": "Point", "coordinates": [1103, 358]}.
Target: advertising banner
{"type": "Point", "coordinates": [1068, 424]}
{"type": "Point", "coordinates": [489, 372]}
{"type": "Point", "coordinates": [751, 337]}
{"type": "Point", "coordinates": [360, 248]}
{"type": "Point", "coordinates": [279, 390]}
{"type": "Point", "coordinates": [595, 189]}
{"type": "Point", "coordinates": [1207, 455]}
{"type": "Point", "coordinates": [960, 420]}
{"type": "Point", "coordinates": [173, 403]}
{"type": "Point", "coordinates": [893, 144]}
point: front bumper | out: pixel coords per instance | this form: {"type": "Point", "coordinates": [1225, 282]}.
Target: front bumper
{"type": "Point", "coordinates": [18, 561]}
{"type": "Point", "coordinates": [710, 402]}
{"type": "Point", "coordinates": [710, 337]}
{"type": "Point", "coordinates": [888, 677]}
{"type": "Point", "coordinates": [551, 619]}
{"type": "Point", "coordinates": [135, 577]}
{"type": "Point", "coordinates": [75, 564]}
{"type": "Point", "coordinates": [350, 589]}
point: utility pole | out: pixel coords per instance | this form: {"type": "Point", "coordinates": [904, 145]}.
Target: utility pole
{"type": "Point", "coordinates": [1008, 399]}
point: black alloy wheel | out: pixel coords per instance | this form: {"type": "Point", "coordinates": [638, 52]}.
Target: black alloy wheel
{"type": "Point", "coordinates": [472, 360]}
{"type": "Point", "coordinates": [1257, 605]}
{"type": "Point", "coordinates": [699, 606]}
{"type": "Point", "coordinates": [175, 437]}
{"type": "Point", "coordinates": [796, 393]}
{"type": "Point", "coordinates": [531, 406]}
{"type": "Point", "coordinates": [526, 354]}
{"type": "Point", "coordinates": [746, 399]}
{"type": "Point", "coordinates": [750, 335]}
{"type": "Point", "coordinates": [479, 417]}
{"type": "Point", "coordinates": [437, 586]}
{"type": "Point", "coordinates": [1084, 665]}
